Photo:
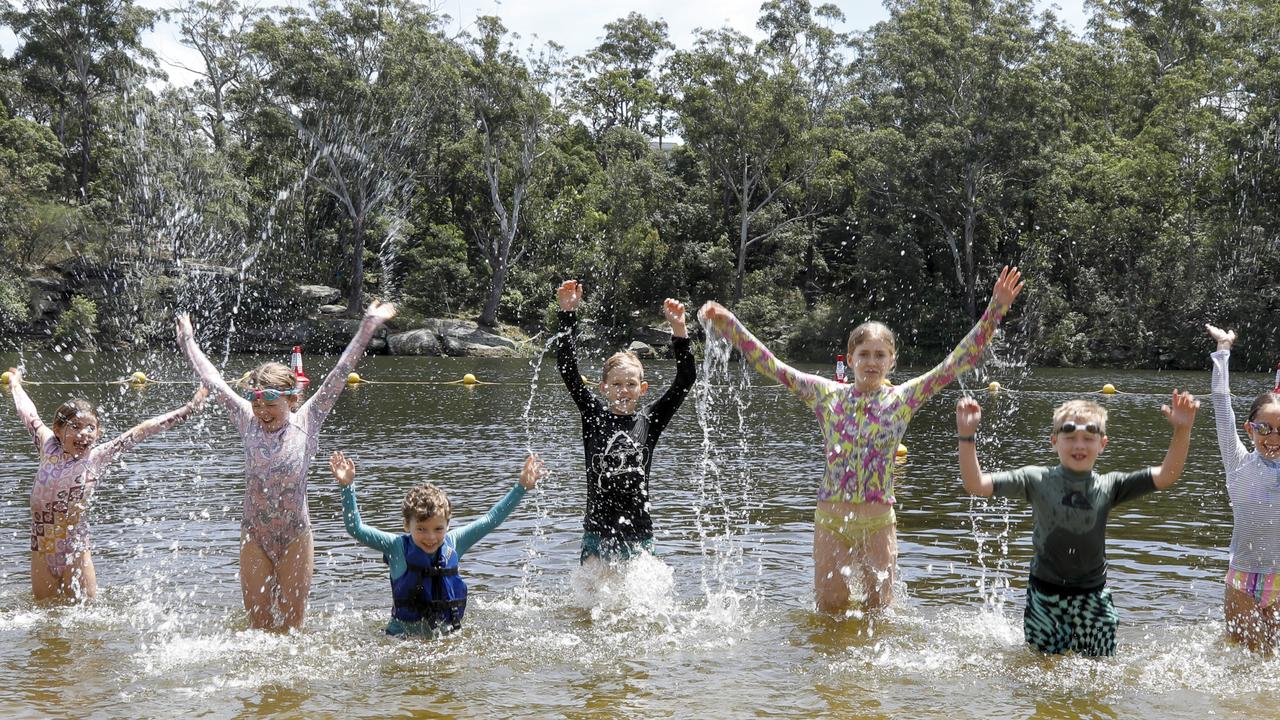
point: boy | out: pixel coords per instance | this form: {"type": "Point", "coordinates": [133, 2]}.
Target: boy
{"type": "Point", "coordinates": [428, 596]}
{"type": "Point", "coordinates": [618, 436]}
{"type": "Point", "coordinates": [1068, 604]}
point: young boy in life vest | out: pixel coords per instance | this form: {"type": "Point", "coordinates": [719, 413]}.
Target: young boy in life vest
{"type": "Point", "coordinates": [428, 596]}
{"type": "Point", "coordinates": [1068, 603]}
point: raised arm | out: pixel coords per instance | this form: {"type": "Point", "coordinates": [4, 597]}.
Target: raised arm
{"type": "Point", "coordinates": [968, 416]}
{"type": "Point", "coordinates": [759, 357]}
{"type": "Point", "coordinates": [111, 451]}
{"type": "Point", "coordinates": [1230, 446]}
{"type": "Point", "coordinates": [968, 353]}
{"type": "Point", "coordinates": [40, 433]}
{"type": "Point", "coordinates": [467, 535]}
{"type": "Point", "coordinates": [239, 408]}
{"type": "Point", "coordinates": [1181, 413]}
{"type": "Point", "coordinates": [665, 407]}
{"type": "Point", "coordinates": [316, 408]}
{"type": "Point", "coordinates": [568, 297]}
{"type": "Point", "coordinates": [344, 471]}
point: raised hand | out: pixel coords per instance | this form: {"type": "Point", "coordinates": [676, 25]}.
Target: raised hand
{"type": "Point", "coordinates": [15, 375]}
{"type": "Point", "coordinates": [197, 400]}
{"type": "Point", "coordinates": [184, 326]}
{"type": "Point", "coordinates": [1224, 338]}
{"type": "Point", "coordinates": [714, 312]}
{"type": "Point", "coordinates": [968, 416]}
{"type": "Point", "coordinates": [569, 295]}
{"type": "Point", "coordinates": [673, 311]}
{"type": "Point", "coordinates": [1008, 286]}
{"type": "Point", "coordinates": [343, 468]}
{"type": "Point", "coordinates": [1182, 411]}
{"type": "Point", "coordinates": [534, 470]}
{"type": "Point", "coordinates": [380, 310]}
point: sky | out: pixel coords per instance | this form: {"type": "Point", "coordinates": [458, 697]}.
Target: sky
{"type": "Point", "coordinates": [577, 25]}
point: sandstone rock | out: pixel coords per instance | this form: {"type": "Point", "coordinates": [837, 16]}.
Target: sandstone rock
{"type": "Point", "coordinates": [321, 294]}
{"type": "Point", "coordinates": [642, 350]}
{"type": "Point", "coordinates": [415, 342]}
{"type": "Point", "coordinates": [332, 309]}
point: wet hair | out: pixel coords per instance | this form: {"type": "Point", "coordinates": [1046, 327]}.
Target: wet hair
{"type": "Point", "coordinates": [425, 501]}
{"type": "Point", "coordinates": [270, 375]}
{"type": "Point", "coordinates": [72, 409]}
{"type": "Point", "coordinates": [1086, 409]}
{"type": "Point", "coordinates": [1270, 397]}
{"type": "Point", "coordinates": [871, 330]}
{"type": "Point", "coordinates": [619, 359]}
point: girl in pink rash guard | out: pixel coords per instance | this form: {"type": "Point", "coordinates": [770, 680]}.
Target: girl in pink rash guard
{"type": "Point", "coordinates": [281, 437]}
{"type": "Point", "coordinates": [70, 465]}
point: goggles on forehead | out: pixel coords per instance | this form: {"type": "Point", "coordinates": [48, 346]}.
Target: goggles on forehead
{"type": "Point", "coordinates": [1069, 427]}
{"type": "Point", "coordinates": [1262, 428]}
{"type": "Point", "coordinates": [268, 394]}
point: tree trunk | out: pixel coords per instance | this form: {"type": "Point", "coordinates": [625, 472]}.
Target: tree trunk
{"type": "Point", "coordinates": [489, 317]}
{"type": "Point", "coordinates": [355, 302]}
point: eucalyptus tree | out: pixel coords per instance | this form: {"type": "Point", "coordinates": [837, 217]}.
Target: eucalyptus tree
{"type": "Point", "coordinates": [341, 73]}
{"type": "Point", "coordinates": [218, 30]}
{"type": "Point", "coordinates": [513, 115]}
{"type": "Point", "coordinates": [74, 55]}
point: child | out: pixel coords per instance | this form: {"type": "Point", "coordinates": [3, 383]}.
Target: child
{"type": "Point", "coordinates": [427, 595]}
{"type": "Point", "coordinates": [1068, 603]}
{"type": "Point", "coordinates": [280, 441]}
{"type": "Point", "coordinates": [855, 534]}
{"type": "Point", "coordinates": [618, 439]}
{"type": "Point", "coordinates": [1252, 591]}
{"type": "Point", "coordinates": [70, 466]}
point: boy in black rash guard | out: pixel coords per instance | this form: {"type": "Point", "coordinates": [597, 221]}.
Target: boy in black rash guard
{"type": "Point", "coordinates": [619, 439]}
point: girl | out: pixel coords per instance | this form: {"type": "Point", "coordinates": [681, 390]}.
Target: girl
{"type": "Point", "coordinates": [1252, 602]}
{"type": "Point", "coordinates": [70, 466]}
{"type": "Point", "coordinates": [280, 440]}
{"type": "Point", "coordinates": [618, 436]}
{"type": "Point", "coordinates": [854, 524]}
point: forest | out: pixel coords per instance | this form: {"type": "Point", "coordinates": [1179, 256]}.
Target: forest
{"type": "Point", "coordinates": [808, 179]}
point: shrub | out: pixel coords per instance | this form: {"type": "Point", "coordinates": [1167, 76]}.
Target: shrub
{"type": "Point", "coordinates": [77, 325]}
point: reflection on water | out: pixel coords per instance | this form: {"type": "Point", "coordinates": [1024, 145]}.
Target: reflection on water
{"type": "Point", "coordinates": [720, 625]}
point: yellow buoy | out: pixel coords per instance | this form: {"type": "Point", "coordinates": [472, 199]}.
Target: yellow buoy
{"type": "Point", "coordinates": [469, 379]}
{"type": "Point", "coordinates": [354, 379]}
{"type": "Point", "coordinates": [993, 388]}
{"type": "Point", "coordinates": [902, 450]}
{"type": "Point", "coordinates": [1108, 389]}
{"type": "Point", "coordinates": [4, 378]}
{"type": "Point", "coordinates": [886, 383]}
{"type": "Point", "coordinates": [138, 378]}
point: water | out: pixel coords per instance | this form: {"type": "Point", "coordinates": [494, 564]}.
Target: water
{"type": "Point", "coordinates": [723, 627]}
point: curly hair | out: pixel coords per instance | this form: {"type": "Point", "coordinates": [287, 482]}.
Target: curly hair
{"type": "Point", "coordinates": [424, 501]}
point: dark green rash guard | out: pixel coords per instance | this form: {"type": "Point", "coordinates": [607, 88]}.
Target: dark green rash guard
{"type": "Point", "coordinates": [1069, 511]}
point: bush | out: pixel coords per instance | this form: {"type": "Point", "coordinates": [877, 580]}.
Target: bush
{"type": "Point", "coordinates": [77, 325]}
{"type": "Point", "coordinates": [14, 312]}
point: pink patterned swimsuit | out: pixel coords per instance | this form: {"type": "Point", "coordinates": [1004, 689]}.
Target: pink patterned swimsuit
{"type": "Point", "coordinates": [861, 431]}
{"type": "Point", "coordinates": [276, 463]}
{"type": "Point", "coordinates": [63, 489]}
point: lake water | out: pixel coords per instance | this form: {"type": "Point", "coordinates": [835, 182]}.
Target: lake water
{"type": "Point", "coordinates": [723, 626]}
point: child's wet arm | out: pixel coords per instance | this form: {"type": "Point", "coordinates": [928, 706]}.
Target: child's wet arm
{"type": "Point", "coordinates": [975, 481]}
{"type": "Point", "coordinates": [686, 376]}
{"type": "Point", "coordinates": [326, 396]}
{"type": "Point", "coordinates": [1167, 472]}
{"type": "Point", "coordinates": [567, 359]}
{"type": "Point", "coordinates": [470, 533]}
{"type": "Point", "coordinates": [212, 378]}
{"type": "Point", "coordinates": [367, 535]}
{"type": "Point", "coordinates": [1230, 446]}
{"type": "Point", "coordinates": [963, 358]}
{"type": "Point", "coordinates": [30, 417]}
{"type": "Point", "coordinates": [766, 363]}
{"type": "Point", "coordinates": [130, 439]}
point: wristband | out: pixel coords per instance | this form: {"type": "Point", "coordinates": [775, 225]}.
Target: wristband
{"type": "Point", "coordinates": [967, 438]}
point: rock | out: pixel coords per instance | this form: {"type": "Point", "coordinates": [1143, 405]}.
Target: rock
{"type": "Point", "coordinates": [655, 336]}
{"type": "Point", "coordinates": [322, 294]}
{"type": "Point", "coordinates": [415, 342]}
{"type": "Point", "coordinates": [642, 350]}
{"type": "Point", "coordinates": [332, 309]}
{"type": "Point", "coordinates": [465, 338]}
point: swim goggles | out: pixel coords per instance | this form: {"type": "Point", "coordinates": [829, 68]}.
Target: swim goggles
{"type": "Point", "coordinates": [1261, 428]}
{"type": "Point", "coordinates": [1069, 427]}
{"type": "Point", "coordinates": [268, 394]}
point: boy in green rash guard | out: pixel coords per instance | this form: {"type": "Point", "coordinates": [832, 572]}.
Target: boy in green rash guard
{"type": "Point", "coordinates": [428, 596]}
{"type": "Point", "coordinates": [1068, 604]}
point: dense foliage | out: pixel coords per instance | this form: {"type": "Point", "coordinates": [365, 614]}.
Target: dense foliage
{"type": "Point", "coordinates": [810, 180]}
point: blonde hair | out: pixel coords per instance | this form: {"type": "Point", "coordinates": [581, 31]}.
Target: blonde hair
{"type": "Point", "coordinates": [72, 409]}
{"type": "Point", "coordinates": [619, 359]}
{"type": "Point", "coordinates": [871, 330]}
{"type": "Point", "coordinates": [425, 501]}
{"type": "Point", "coordinates": [270, 375]}
{"type": "Point", "coordinates": [1083, 409]}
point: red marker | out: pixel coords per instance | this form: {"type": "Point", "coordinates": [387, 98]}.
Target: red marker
{"type": "Point", "coordinates": [840, 373]}
{"type": "Point", "coordinates": [300, 378]}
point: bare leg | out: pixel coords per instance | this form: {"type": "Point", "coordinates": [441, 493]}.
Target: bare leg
{"type": "Point", "coordinates": [1248, 623]}
{"type": "Point", "coordinates": [834, 562]}
{"type": "Point", "coordinates": [257, 584]}
{"type": "Point", "coordinates": [81, 580]}
{"type": "Point", "coordinates": [880, 567]}
{"type": "Point", "coordinates": [294, 579]}
{"type": "Point", "coordinates": [44, 584]}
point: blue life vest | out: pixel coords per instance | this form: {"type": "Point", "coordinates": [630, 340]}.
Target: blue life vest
{"type": "Point", "coordinates": [430, 590]}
